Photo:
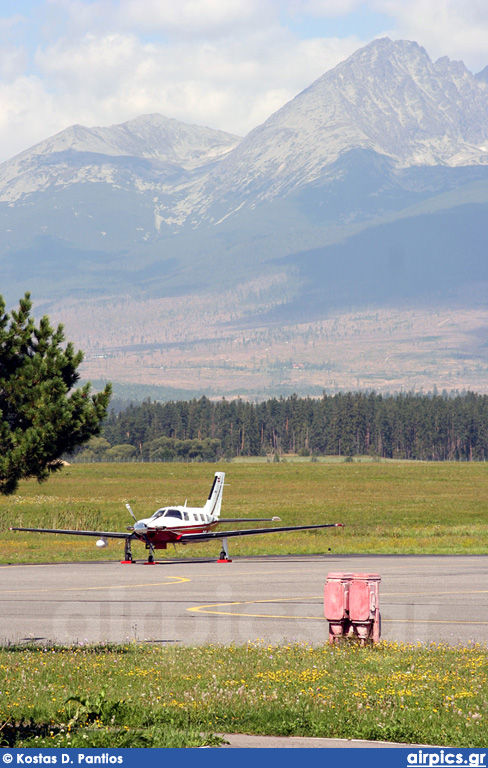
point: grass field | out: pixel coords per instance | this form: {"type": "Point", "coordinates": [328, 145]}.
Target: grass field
{"type": "Point", "coordinates": [387, 507]}
{"type": "Point", "coordinates": [149, 696]}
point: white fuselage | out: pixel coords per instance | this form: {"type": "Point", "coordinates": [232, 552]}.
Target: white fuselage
{"type": "Point", "coordinates": [167, 524]}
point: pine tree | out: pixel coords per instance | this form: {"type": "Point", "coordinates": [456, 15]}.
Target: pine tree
{"type": "Point", "coordinates": [39, 419]}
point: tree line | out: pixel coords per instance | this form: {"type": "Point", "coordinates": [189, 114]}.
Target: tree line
{"type": "Point", "coordinates": [433, 426]}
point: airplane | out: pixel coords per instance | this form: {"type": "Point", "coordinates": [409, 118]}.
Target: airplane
{"type": "Point", "coordinates": [183, 525]}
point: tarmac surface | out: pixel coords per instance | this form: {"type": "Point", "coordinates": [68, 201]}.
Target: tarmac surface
{"type": "Point", "coordinates": [276, 599]}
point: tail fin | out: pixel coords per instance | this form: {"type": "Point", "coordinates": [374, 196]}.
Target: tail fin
{"type": "Point", "coordinates": [214, 502]}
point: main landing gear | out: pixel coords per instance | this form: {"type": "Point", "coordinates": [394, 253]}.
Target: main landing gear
{"type": "Point", "coordinates": [224, 553]}
{"type": "Point", "coordinates": [127, 552]}
{"type": "Point", "coordinates": [128, 559]}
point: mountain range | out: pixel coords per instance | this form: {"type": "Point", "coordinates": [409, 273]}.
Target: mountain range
{"type": "Point", "coordinates": [369, 188]}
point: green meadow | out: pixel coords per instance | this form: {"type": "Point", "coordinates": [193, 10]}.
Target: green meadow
{"type": "Point", "coordinates": [387, 507]}
{"type": "Point", "coordinates": [150, 696]}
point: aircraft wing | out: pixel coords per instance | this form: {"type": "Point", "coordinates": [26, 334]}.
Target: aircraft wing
{"type": "Point", "coordinates": [189, 537]}
{"type": "Point", "coordinates": [99, 534]}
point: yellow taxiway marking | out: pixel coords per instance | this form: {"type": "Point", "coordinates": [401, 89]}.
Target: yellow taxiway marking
{"type": "Point", "coordinates": [176, 579]}
{"type": "Point", "coordinates": [208, 609]}
{"type": "Point", "coordinates": [204, 609]}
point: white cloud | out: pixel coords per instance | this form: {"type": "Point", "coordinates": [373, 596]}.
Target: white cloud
{"type": "Point", "coordinates": [185, 19]}
{"type": "Point", "coordinates": [13, 62]}
{"type": "Point", "coordinates": [27, 114]}
{"type": "Point", "coordinates": [227, 81]}
{"type": "Point", "coordinates": [327, 8]}
{"type": "Point", "coordinates": [228, 84]}
{"type": "Point", "coordinates": [224, 63]}
{"type": "Point", "coordinates": [197, 18]}
{"type": "Point", "coordinates": [454, 28]}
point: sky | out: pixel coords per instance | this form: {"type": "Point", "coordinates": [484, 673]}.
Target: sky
{"type": "Point", "coordinates": [226, 64]}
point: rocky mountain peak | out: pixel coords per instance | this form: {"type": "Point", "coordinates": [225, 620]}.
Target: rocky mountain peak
{"type": "Point", "coordinates": [388, 98]}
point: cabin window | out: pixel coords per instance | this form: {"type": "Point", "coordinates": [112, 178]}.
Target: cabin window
{"type": "Point", "coordinates": [185, 516]}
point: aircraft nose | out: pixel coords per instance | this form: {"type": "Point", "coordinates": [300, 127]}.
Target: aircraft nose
{"type": "Point", "coordinates": [140, 528]}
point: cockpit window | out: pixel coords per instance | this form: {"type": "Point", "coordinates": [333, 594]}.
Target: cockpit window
{"type": "Point", "coordinates": [157, 514]}
{"type": "Point", "coordinates": [173, 513]}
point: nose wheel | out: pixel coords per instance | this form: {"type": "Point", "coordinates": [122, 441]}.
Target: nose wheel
{"type": "Point", "coordinates": [150, 559]}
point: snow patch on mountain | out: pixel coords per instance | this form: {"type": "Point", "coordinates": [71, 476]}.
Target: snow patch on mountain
{"type": "Point", "coordinates": [140, 152]}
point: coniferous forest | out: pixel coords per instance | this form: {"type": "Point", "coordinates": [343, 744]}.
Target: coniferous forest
{"type": "Point", "coordinates": [436, 427]}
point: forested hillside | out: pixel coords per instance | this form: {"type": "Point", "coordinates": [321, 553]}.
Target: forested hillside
{"type": "Point", "coordinates": [405, 426]}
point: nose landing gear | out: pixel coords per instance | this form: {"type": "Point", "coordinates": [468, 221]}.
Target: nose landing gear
{"type": "Point", "coordinates": [150, 558]}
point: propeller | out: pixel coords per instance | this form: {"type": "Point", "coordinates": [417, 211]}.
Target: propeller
{"type": "Point", "coordinates": [141, 528]}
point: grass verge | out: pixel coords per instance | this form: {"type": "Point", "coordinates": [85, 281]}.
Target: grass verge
{"type": "Point", "coordinates": [156, 696]}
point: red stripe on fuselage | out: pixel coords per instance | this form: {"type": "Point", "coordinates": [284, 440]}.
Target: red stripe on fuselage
{"type": "Point", "coordinates": [161, 537]}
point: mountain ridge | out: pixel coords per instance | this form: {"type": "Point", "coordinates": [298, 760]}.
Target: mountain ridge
{"type": "Point", "coordinates": [388, 96]}
{"type": "Point", "coordinates": [163, 207]}
{"type": "Point", "coordinates": [166, 145]}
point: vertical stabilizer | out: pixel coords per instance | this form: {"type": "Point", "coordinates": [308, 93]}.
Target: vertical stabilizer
{"type": "Point", "coordinates": [214, 502]}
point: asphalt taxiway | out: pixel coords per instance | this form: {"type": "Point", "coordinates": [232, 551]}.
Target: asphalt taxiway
{"type": "Point", "coordinates": [271, 599]}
